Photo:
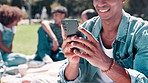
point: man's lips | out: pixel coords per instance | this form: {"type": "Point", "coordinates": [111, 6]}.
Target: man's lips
{"type": "Point", "coordinates": [103, 10]}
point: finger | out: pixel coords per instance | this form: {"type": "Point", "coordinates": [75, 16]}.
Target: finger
{"type": "Point", "coordinates": [87, 34]}
{"type": "Point", "coordinates": [82, 47]}
{"type": "Point", "coordinates": [67, 40]}
{"type": "Point", "coordinates": [64, 36]}
{"type": "Point", "coordinates": [81, 54]}
{"type": "Point", "coordinates": [72, 57]}
{"type": "Point", "coordinates": [67, 48]}
{"type": "Point", "coordinates": [68, 53]}
{"type": "Point", "coordinates": [84, 41]}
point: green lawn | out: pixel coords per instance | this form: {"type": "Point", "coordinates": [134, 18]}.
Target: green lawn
{"type": "Point", "coordinates": [25, 40]}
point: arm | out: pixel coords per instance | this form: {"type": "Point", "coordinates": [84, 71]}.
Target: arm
{"type": "Point", "coordinates": [11, 45]}
{"type": "Point", "coordinates": [72, 69]}
{"type": "Point", "coordinates": [139, 73]}
{"type": "Point", "coordinates": [97, 57]}
{"type": "Point", "coordinates": [3, 47]}
{"type": "Point", "coordinates": [48, 30]}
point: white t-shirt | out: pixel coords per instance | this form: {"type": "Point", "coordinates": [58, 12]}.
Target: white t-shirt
{"type": "Point", "coordinates": [109, 53]}
{"type": "Point", "coordinates": [12, 29]}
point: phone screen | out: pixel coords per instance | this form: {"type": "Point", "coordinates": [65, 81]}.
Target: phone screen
{"type": "Point", "coordinates": [71, 27]}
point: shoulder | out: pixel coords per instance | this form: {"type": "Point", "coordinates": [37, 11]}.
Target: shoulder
{"type": "Point", "coordinates": [90, 22]}
{"type": "Point", "coordinates": [135, 25]}
{"type": "Point", "coordinates": [137, 21]}
{"type": "Point", "coordinates": [14, 29]}
{"type": "Point", "coordinates": [134, 22]}
{"type": "Point", "coordinates": [140, 31]}
{"type": "Point", "coordinates": [47, 22]}
{"type": "Point", "coordinates": [139, 25]}
{"type": "Point", "coordinates": [52, 23]}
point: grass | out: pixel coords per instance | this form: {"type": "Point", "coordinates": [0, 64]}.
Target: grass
{"type": "Point", "coordinates": [25, 40]}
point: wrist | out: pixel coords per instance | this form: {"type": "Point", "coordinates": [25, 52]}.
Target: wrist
{"type": "Point", "coordinates": [74, 60]}
{"type": "Point", "coordinates": [73, 65]}
{"type": "Point", "coordinates": [106, 64]}
{"type": "Point", "coordinates": [110, 67]}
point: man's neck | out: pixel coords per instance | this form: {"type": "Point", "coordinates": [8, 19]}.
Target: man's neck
{"type": "Point", "coordinates": [111, 25]}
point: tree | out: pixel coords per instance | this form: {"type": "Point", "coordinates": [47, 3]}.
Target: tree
{"type": "Point", "coordinates": [76, 6]}
{"type": "Point", "coordinates": [39, 5]}
{"type": "Point", "coordinates": [17, 3]}
{"type": "Point", "coordinates": [3, 2]}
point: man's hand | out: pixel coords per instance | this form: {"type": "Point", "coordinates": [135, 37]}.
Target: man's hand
{"type": "Point", "coordinates": [55, 45]}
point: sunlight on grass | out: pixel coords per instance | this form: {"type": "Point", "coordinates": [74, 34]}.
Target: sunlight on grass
{"type": "Point", "coordinates": [25, 40]}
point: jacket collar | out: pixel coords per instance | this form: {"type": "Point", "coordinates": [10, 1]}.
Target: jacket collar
{"type": "Point", "coordinates": [97, 28]}
{"type": "Point", "coordinates": [122, 29]}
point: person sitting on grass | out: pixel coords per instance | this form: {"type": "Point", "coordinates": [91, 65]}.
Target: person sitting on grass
{"type": "Point", "coordinates": [9, 17]}
{"type": "Point", "coordinates": [50, 38]}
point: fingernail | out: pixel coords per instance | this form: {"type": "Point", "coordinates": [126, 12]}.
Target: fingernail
{"type": "Point", "coordinates": [72, 43]}
{"type": "Point", "coordinates": [73, 38]}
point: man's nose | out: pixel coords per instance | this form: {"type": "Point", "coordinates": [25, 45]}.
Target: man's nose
{"type": "Point", "coordinates": [100, 3]}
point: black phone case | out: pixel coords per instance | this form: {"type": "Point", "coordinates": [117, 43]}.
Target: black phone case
{"type": "Point", "coordinates": [71, 27]}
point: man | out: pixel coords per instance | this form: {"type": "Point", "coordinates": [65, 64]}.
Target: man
{"type": "Point", "coordinates": [115, 48]}
{"type": "Point", "coordinates": [50, 38]}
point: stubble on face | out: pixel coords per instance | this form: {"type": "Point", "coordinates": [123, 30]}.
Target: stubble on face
{"type": "Point", "coordinates": [108, 9]}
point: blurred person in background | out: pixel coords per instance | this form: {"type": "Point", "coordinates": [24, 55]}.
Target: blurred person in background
{"type": "Point", "coordinates": [50, 38]}
{"type": "Point", "coordinates": [9, 17]}
{"type": "Point", "coordinates": [88, 14]}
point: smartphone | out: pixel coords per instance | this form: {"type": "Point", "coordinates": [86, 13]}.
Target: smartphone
{"type": "Point", "coordinates": [71, 27]}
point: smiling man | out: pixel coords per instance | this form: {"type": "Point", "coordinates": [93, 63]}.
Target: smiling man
{"type": "Point", "coordinates": [114, 48]}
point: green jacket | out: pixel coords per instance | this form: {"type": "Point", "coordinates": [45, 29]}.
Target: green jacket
{"type": "Point", "coordinates": [130, 50]}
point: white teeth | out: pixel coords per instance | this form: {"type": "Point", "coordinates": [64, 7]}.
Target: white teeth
{"type": "Point", "coordinates": [104, 10]}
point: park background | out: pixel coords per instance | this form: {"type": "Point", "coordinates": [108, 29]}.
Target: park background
{"type": "Point", "coordinates": [25, 40]}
